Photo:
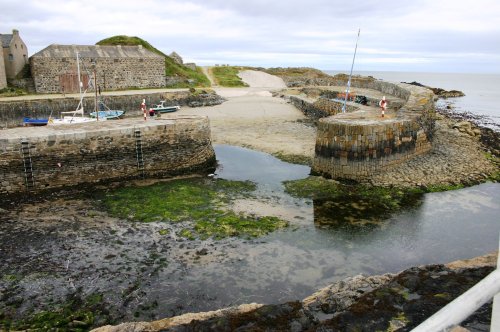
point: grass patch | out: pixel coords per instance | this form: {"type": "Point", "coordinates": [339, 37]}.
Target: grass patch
{"type": "Point", "coordinates": [12, 92]}
{"type": "Point", "coordinates": [188, 77]}
{"type": "Point", "coordinates": [200, 204]}
{"type": "Point", "coordinates": [228, 76]}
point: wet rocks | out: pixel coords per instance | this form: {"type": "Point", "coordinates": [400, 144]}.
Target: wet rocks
{"type": "Point", "coordinates": [388, 302]}
{"type": "Point", "coordinates": [457, 157]}
{"type": "Point", "coordinates": [341, 295]}
{"type": "Point", "coordinates": [466, 127]}
{"type": "Point", "coordinates": [205, 99]}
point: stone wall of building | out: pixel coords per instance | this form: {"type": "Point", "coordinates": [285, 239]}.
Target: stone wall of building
{"type": "Point", "coordinates": [352, 147]}
{"type": "Point", "coordinates": [112, 73]}
{"type": "Point", "coordinates": [3, 75]}
{"type": "Point", "coordinates": [15, 56]}
{"type": "Point", "coordinates": [72, 155]}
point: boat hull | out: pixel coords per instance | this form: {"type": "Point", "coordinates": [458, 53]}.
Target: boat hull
{"type": "Point", "coordinates": [35, 122]}
{"type": "Point", "coordinates": [166, 109]}
{"type": "Point", "coordinates": [109, 114]}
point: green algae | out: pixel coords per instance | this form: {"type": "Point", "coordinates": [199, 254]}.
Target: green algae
{"type": "Point", "coordinates": [239, 225]}
{"type": "Point", "coordinates": [351, 206]}
{"type": "Point", "coordinates": [319, 188]}
{"type": "Point", "coordinates": [313, 187]}
{"type": "Point", "coordinates": [293, 158]}
{"type": "Point", "coordinates": [201, 205]}
{"type": "Point", "coordinates": [163, 231]}
{"type": "Point", "coordinates": [76, 315]}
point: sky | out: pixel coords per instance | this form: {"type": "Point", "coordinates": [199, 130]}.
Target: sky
{"type": "Point", "coordinates": [415, 36]}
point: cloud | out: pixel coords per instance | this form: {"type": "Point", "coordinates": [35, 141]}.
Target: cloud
{"type": "Point", "coordinates": [316, 33]}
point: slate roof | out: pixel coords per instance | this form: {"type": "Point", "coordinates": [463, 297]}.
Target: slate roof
{"type": "Point", "coordinates": [6, 39]}
{"type": "Point", "coordinates": [95, 51]}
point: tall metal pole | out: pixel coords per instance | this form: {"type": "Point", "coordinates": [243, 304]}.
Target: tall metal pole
{"type": "Point", "coordinates": [78, 68]}
{"type": "Point", "coordinates": [95, 88]}
{"type": "Point", "coordinates": [350, 75]}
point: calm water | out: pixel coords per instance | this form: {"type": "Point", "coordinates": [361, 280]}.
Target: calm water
{"type": "Point", "coordinates": [49, 250]}
{"type": "Point", "coordinates": [482, 91]}
{"type": "Point", "coordinates": [292, 263]}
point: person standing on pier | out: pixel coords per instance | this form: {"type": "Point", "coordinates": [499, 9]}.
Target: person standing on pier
{"type": "Point", "coordinates": [383, 105]}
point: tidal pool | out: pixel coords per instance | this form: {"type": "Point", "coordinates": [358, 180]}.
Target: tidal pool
{"type": "Point", "coordinates": [65, 252]}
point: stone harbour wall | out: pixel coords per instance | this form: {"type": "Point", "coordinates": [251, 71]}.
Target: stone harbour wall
{"type": "Point", "coordinates": [353, 147]}
{"type": "Point", "coordinates": [12, 112]}
{"type": "Point", "coordinates": [71, 155]}
{"type": "Point", "coordinates": [320, 108]}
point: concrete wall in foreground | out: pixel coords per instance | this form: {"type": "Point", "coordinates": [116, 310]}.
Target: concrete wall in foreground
{"type": "Point", "coordinates": [350, 147]}
{"type": "Point", "coordinates": [71, 155]}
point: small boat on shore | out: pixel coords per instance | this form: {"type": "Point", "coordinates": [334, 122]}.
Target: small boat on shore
{"type": "Point", "coordinates": [106, 112]}
{"type": "Point", "coordinates": [35, 122]}
{"type": "Point", "coordinates": [162, 108]}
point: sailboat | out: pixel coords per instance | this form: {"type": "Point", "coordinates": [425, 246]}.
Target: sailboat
{"type": "Point", "coordinates": [106, 112]}
{"type": "Point", "coordinates": [78, 115]}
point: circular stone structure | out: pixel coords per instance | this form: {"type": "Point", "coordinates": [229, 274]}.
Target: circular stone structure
{"type": "Point", "coordinates": [361, 143]}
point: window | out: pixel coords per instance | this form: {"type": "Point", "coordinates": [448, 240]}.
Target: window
{"type": "Point", "coordinates": [15, 46]}
{"type": "Point", "coordinates": [11, 57]}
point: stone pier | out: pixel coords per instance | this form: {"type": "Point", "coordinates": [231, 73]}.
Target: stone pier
{"type": "Point", "coordinates": [360, 143]}
{"type": "Point", "coordinates": [51, 157]}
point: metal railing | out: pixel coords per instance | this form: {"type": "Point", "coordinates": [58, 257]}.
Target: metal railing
{"type": "Point", "coordinates": [466, 304]}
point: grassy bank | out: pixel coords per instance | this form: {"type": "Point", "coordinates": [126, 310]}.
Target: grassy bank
{"type": "Point", "coordinates": [228, 76]}
{"type": "Point", "coordinates": [188, 77]}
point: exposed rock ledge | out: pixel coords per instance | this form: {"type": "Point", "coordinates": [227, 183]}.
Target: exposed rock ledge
{"type": "Point", "coordinates": [440, 93]}
{"type": "Point", "coordinates": [387, 302]}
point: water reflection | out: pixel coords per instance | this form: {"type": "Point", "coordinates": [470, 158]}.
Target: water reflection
{"type": "Point", "coordinates": [356, 214]}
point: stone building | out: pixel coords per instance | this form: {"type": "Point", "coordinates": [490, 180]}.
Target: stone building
{"type": "Point", "coordinates": [15, 55]}
{"type": "Point", "coordinates": [54, 69]}
{"type": "Point", "coordinates": [3, 77]}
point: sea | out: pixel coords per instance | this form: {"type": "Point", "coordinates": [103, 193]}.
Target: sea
{"type": "Point", "coordinates": [482, 91]}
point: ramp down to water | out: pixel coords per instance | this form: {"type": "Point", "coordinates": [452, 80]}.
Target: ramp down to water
{"type": "Point", "coordinates": [39, 158]}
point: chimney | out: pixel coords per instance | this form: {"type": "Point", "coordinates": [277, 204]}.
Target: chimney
{"type": "Point", "coordinates": [15, 32]}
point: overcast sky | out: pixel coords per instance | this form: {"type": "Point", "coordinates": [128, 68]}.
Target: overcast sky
{"type": "Point", "coordinates": [417, 35]}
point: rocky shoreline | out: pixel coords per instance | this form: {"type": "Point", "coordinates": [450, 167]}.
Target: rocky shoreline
{"type": "Point", "coordinates": [388, 302]}
{"type": "Point", "coordinates": [458, 157]}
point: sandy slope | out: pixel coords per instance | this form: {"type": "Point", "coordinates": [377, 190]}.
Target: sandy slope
{"type": "Point", "coordinates": [252, 118]}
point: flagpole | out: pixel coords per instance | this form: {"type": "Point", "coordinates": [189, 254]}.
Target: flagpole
{"type": "Point", "coordinates": [350, 75]}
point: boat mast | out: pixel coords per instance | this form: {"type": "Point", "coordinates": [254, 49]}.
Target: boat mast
{"type": "Point", "coordinates": [78, 68]}
{"type": "Point", "coordinates": [350, 75]}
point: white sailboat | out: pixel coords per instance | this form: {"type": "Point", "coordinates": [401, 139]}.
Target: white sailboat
{"type": "Point", "coordinates": [78, 115]}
